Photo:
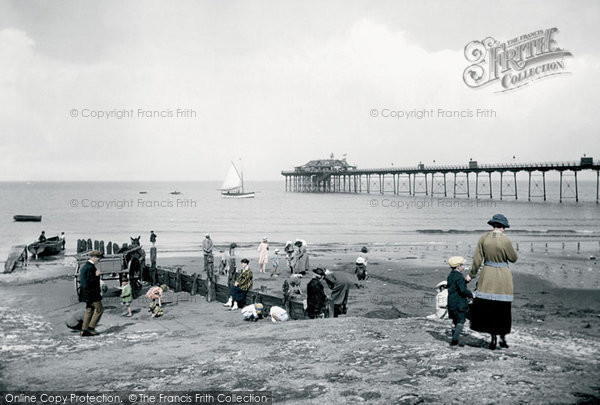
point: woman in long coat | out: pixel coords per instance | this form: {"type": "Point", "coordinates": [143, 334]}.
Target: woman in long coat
{"type": "Point", "coordinates": [491, 311]}
{"type": "Point", "coordinates": [301, 264]}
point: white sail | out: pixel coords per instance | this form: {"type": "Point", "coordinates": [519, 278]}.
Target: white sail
{"type": "Point", "coordinates": [233, 179]}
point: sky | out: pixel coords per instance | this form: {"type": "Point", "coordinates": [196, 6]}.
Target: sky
{"type": "Point", "coordinates": [279, 83]}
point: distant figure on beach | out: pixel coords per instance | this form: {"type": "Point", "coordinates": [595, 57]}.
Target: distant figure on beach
{"type": "Point", "coordinates": [126, 297]}
{"type": "Point", "coordinates": [42, 237]}
{"type": "Point", "coordinates": [363, 254]}
{"type": "Point", "coordinates": [207, 248]}
{"type": "Point", "coordinates": [340, 285]}
{"type": "Point", "coordinates": [315, 295]}
{"type": "Point", "coordinates": [63, 240]}
{"type": "Point", "coordinates": [240, 288]}
{"type": "Point", "coordinates": [231, 266]}
{"type": "Point", "coordinates": [91, 293]}
{"type": "Point", "coordinates": [275, 263]}
{"type": "Point", "coordinates": [457, 297]}
{"type": "Point", "coordinates": [222, 262]}
{"type": "Point", "coordinates": [441, 300]}
{"type": "Point", "coordinates": [153, 238]}
{"type": "Point", "coordinates": [263, 255]}
{"type": "Point", "coordinates": [360, 269]}
{"type": "Point", "coordinates": [289, 255]}
{"type": "Point", "coordinates": [491, 310]}
{"type": "Point", "coordinates": [301, 263]}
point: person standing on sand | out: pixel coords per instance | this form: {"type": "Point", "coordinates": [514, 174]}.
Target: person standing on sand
{"type": "Point", "coordinates": [491, 310]}
{"type": "Point", "coordinates": [207, 247]}
{"type": "Point", "coordinates": [91, 294]}
{"type": "Point", "coordinates": [315, 295]}
{"type": "Point", "coordinates": [153, 238]}
{"type": "Point", "coordinates": [300, 257]}
{"type": "Point", "coordinates": [289, 255]}
{"type": "Point", "coordinates": [457, 297]}
{"type": "Point", "coordinates": [263, 255]}
{"type": "Point", "coordinates": [275, 271]}
{"type": "Point", "coordinates": [241, 287]}
{"type": "Point", "coordinates": [340, 285]}
{"type": "Point", "coordinates": [231, 266]}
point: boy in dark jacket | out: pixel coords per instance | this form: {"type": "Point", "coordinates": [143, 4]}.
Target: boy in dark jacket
{"type": "Point", "coordinates": [457, 297]}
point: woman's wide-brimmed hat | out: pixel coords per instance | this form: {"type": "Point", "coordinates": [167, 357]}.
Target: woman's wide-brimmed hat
{"type": "Point", "coordinates": [233, 245]}
{"type": "Point", "coordinates": [499, 219]}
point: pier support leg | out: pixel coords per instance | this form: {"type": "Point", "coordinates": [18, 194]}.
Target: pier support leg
{"type": "Point", "coordinates": [477, 185]}
{"type": "Point", "coordinates": [490, 183]}
{"type": "Point", "coordinates": [501, 184]}
{"type": "Point", "coordinates": [454, 185]}
{"type": "Point", "coordinates": [515, 178]}
{"type": "Point", "coordinates": [426, 182]}
{"type": "Point", "coordinates": [381, 180]}
{"type": "Point", "coordinates": [597, 186]}
{"type": "Point", "coordinates": [468, 192]}
{"type": "Point", "coordinates": [576, 188]}
{"type": "Point", "coordinates": [560, 193]}
{"type": "Point", "coordinates": [394, 180]}
{"type": "Point", "coordinates": [368, 184]}
{"type": "Point", "coordinates": [529, 191]}
{"type": "Point", "coordinates": [445, 194]}
{"type": "Point", "coordinates": [544, 182]}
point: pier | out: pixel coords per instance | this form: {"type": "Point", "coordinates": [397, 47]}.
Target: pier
{"type": "Point", "coordinates": [338, 176]}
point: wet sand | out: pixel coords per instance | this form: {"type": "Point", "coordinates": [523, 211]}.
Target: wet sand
{"type": "Point", "coordinates": [553, 357]}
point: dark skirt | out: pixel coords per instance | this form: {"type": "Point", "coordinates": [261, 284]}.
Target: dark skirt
{"type": "Point", "coordinates": [238, 295]}
{"type": "Point", "coordinates": [492, 317]}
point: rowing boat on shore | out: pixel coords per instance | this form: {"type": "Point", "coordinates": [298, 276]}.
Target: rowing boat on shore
{"type": "Point", "coordinates": [52, 246]}
{"type": "Point", "coordinates": [27, 218]}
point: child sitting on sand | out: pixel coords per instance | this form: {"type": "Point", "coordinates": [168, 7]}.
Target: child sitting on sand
{"type": "Point", "coordinates": [252, 312]}
{"type": "Point", "coordinates": [156, 294]}
{"type": "Point", "coordinates": [126, 296]}
{"type": "Point", "coordinates": [457, 297]}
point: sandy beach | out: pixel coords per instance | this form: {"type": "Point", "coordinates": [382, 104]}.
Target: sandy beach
{"type": "Point", "coordinates": [384, 349]}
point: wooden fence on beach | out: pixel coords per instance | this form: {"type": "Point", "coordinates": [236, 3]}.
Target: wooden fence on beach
{"type": "Point", "coordinates": [194, 285]}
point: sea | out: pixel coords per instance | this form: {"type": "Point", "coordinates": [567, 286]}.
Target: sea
{"type": "Point", "coordinates": [116, 211]}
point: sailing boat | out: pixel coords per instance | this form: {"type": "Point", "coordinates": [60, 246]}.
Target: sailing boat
{"type": "Point", "coordinates": [233, 186]}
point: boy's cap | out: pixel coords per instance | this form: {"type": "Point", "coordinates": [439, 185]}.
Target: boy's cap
{"type": "Point", "coordinates": [245, 261]}
{"type": "Point", "coordinates": [96, 253]}
{"type": "Point", "coordinates": [456, 261]}
{"type": "Point", "coordinates": [276, 250]}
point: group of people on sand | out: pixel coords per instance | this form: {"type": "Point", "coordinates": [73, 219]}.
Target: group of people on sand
{"type": "Point", "coordinates": [489, 312]}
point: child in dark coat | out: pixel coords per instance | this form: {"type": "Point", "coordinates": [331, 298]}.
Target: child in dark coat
{"type": "Point", "coordinates": [457, 297]}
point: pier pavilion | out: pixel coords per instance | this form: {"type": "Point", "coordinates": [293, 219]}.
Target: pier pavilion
{"type": "Point", "coordinates": [338, 176]}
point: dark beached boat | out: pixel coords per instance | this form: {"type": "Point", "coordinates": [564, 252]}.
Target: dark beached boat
{"type": "Point", "coordinates": [52, 246]}
{"type": "Point", "coordinates": [27, 218]}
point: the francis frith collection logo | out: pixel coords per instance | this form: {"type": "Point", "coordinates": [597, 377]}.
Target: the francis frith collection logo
{"type": "Point", "coordinates": [514, 63]}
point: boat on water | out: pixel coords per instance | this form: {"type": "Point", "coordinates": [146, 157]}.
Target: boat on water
{"type": "Point", "coordinates": [233, 185]}
{"type": "Point", "coordinates": [143, 192]}
{"type": "Point", "coordinates": [27, 218]}
{"type": "Point", "coordinates": [52, 246]}
{"type": "Point", "coordinates": [175, 192]}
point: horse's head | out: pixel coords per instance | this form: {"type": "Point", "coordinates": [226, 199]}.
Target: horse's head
{"type": "Point", "coordinates": [135, 241]}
